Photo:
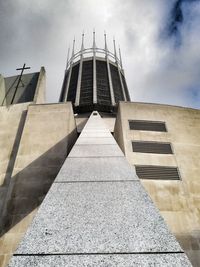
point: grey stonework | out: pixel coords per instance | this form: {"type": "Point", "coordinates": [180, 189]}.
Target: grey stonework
{"type": "Point", "coordinates": [96, 216]}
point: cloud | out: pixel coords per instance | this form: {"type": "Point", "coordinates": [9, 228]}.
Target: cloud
{"type": "Point", "coordinates": [159, 41]}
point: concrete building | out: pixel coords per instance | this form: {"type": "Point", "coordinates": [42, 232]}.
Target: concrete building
{"type": "Point", "coordinates": [110, 168]}
{"type": "Point", "coordinates": [167, 162]}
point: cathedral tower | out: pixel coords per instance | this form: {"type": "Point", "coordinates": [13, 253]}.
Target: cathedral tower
{"type": "Point", "coordinates": [94, 79]}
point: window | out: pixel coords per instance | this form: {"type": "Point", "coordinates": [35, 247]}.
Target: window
{"type": "Point", "coordinates": [157, 172]}
{"type": "Point", "coordinates": [151, 147]}
{"type": "Point", "coordinates": [147, 125]}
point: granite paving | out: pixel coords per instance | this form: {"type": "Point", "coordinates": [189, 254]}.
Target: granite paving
{"type": "Point", "coordinates": [96, 141]}
{"type": "Point", "coordinates": [96, 169]}
{"type": "Point", "coordinates": [98, 217]}
{"type": "Point", "coordinates": [97, 213]}
{"type": "Point", "coordinates": [158, 260]}
{"type": "Point", "coordinates": [82, 151]}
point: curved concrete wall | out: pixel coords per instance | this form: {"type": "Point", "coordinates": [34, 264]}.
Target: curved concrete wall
{"type": "Point", "coordinates": [178, 201]}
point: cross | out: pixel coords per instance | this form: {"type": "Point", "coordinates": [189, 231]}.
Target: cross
{"type": "Point", "coordinates": [18, 82]}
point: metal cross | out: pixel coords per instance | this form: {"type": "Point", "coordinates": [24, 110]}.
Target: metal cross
{"type": "Point", "coordinates": [19, 80]}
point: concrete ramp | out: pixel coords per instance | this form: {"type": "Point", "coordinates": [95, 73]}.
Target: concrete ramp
{"type": "Point", "coordinates": [97, 213]}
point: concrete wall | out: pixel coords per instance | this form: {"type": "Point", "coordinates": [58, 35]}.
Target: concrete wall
{"type": "Point", "coordinates": [11, 125]}
{"type": "Point", "coordinates": [178, 201]}
{"type": "Point", "coordinates": [39, 97]}
{"type": "Point", "coordinates": [2, 90]}
{"type": "Point", "coordinates": [48, 135]}
{"type": "Point", "coordinates": [95, 209]}
{"type": "Point", "coordinates": [81, 120]}
{"type": "Point", "coordinates": [25, 91]}
{"type": "Point", "coordinates": [30, 89]}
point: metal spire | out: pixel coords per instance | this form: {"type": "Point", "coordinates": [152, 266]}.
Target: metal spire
{"type": "Point", "coordinates": [68, 51]}
{"type": "Point", "coordinates": [94, 42]}
{"type": "Point", "coordinates": [106, 47]}
{"type": "Point", "coordinates": [82, 45]}
{"type": "Point", "coordinates": [78, 88]}
{"type": "Point", "coordinates": [73, 46]}
{"type": "Point", "coordinates": [120, 57]}
{"type": "Point", "coordinates": [70, 71]}
{"type": "Point", "coordinates": [115, 52]}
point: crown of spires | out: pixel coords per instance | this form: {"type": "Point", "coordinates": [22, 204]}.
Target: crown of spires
{"type": "Point", "coordinates": [95, 48]}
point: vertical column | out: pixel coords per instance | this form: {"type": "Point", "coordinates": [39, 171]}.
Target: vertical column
{"type": "Point", "coordinates": [119, 72]}
{"type": "Point", "coordinates": [120, 57]}
{"type": "Point", "coordinates": [110, 82]}
{"type": "Point", "coordinates": [122, 70]}
{"type": "Point", "coordinates": [68, 82]}
{"type": "Point", "coordinates": [94, 71]}
{"type": "Point", "coordinates": [70, 73]}
{"type": "Point", "coordinates": [109, 74]}
{"type": "Point", "coordinates": [121, 82]}
{"type": "Point", "coordinates": [78, 89]}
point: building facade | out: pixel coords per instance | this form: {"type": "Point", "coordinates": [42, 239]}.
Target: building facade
{"type": "Point", "coordinates": [162, 143]}
{"type": "Point", "coordinates": [102, 215]}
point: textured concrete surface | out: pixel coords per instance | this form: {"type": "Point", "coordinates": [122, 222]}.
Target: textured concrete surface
{"type": "Point", "coordinates": [97, 217]}
{"type": "Point", "coordinates": [167, 260]}
{"type": "Point", "coordinates": [48, 134]}
{"type": "Point", "coordinates": [178, 201]}
{"type": "Point", "coordinates": [14, 215]}
{"type": "Point", "coordinates": [95, 134]}
{"type": "Point", "coordinates": [99, 221]}
{"type": "Point", "coordinates": [2, 90]}
{"type": "Point", "coordinates": [39, 97]}
{"type": "Point", "coordinates": [81, 151]}
{"type": "Point", "coordinates": [96, 169]}
{"type": "Point", "coordinates": [96, 141]}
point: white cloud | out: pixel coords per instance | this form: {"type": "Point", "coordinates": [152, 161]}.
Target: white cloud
{"type": "Point", "coordinates": [157, 71]}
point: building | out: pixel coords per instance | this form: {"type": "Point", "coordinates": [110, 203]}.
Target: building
{"type": "Point", "coordinates": [96, 211]}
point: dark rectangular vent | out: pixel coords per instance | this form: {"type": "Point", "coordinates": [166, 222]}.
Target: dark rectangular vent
{"type": "Point", "coordinates": [86, 94]}
{"type": "Point", "coordinates": [151, 147]}
{"type": "Point", "coordinates": [147, 126]}
{"type": "Point", "coordinates": [103, 89]}
{"type": "Point", "coordinates": [73, 84]}
{"type": "Point", "coordinates": [116, 84]}
{"type": "Point", "coordinates": [157, 172]}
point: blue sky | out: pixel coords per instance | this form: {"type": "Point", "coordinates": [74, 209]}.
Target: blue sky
{"type": "Point", "coordinates": [159, 39]}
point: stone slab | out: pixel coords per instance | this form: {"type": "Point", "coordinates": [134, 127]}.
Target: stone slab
{"type": "Point", "coordinates": [96, 141]}
{"type": "Point", "coordinates": [94, 129]}
{"type": "Point", "coordinates": [145, 260]}
{"type": "Point", "coordinates": [98, 217]}
{"type": "Point", "coordinates": [95, 122]}
{"type": "Point", "coordinates": [82, 151]}
{"type": "Point", "coordinates": [96, 169]}
{"type": "Point", "coordinates": [95, 134]}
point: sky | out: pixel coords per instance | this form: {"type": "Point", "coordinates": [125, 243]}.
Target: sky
{"type": "Point", "coordinates": [159, 41]}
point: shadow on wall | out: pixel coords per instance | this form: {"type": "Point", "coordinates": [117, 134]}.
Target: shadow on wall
{"type": "Point", "coordinates": [15, 147]}
{"type": "Point", "coordinates": [25, 91]}
{"type": "Point", "coordinates": [29, 186]}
